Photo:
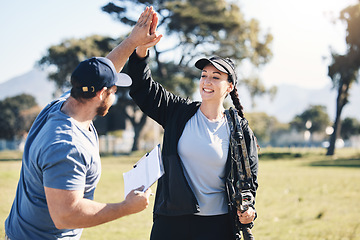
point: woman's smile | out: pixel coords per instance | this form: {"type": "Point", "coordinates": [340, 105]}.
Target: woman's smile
{"type": "Point", "coordinates": [207, 90]}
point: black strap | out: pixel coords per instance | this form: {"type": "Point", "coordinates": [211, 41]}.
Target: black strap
{"type": "Point", "coordinates": [244, 179]}
{"type": "Point", "coordinates": [237, 141]}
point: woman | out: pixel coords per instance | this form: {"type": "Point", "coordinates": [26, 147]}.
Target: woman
{"type": "Point", "coordinates": [191, 201]}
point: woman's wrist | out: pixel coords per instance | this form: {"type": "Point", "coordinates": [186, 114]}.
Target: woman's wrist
{"type": "Point", "coordinates": [141, 52]}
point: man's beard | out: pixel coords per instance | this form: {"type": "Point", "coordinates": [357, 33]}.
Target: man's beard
{"type": "Point", "coordinates": [103, 109]}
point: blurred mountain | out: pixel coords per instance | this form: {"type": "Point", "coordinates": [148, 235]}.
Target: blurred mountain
{"type": "Point", "coordinates": [289, 101]}
{"type": "Point", "coordinates": [34, 83]}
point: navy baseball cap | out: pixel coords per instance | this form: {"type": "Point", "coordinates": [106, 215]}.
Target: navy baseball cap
{"type": "Point", "coordinates": [95, 73]}
{"type": "Point", "coordinates": [224, 65]}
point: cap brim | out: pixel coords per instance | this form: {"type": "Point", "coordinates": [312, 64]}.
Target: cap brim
{"type": "Point", "coordinates": [201, 63]}
{"type": "Point", "coordinates": [123, 80]}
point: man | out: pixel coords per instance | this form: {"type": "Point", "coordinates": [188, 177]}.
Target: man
{"type": "Point", "coordinates": [61, 164]}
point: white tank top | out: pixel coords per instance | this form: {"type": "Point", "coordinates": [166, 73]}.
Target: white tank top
{"type": "Point", "coordinates": [203, 148]}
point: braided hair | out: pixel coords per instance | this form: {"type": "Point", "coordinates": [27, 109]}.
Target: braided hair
{"type": "Point", "coordinates": [236, 101]}
{"type": "Point", "coordinates": [234, 93]}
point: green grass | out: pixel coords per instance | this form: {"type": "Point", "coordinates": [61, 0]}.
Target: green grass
{"type": "Point", "coordinates": [303, 194]}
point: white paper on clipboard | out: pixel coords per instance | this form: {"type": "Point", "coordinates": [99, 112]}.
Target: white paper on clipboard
{"type": "Point", "coordinates": [145, 172]}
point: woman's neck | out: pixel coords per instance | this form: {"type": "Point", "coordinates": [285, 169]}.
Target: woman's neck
{"type": "Point", "coordinates": [213, 112]}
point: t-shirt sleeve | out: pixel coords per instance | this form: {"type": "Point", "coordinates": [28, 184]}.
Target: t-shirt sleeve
{"type": "Point", "coordinates": [63, 167]}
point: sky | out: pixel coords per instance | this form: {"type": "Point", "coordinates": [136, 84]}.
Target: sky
{"type": "Point", "coordinates": [303, 33]}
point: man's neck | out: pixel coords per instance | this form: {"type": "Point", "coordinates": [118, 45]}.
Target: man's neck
{"type": "Point", "coordinates": [81, 112]}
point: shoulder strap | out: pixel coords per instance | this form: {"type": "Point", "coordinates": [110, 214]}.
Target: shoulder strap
{"type": "Point", "coordinates": [238, 141]}
{"type": "Point", "coordinates": [234, 148]}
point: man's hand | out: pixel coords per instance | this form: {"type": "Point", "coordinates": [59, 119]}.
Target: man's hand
{"type": "Point", "coordinates": [136, 201]}
{"type": "Point", "coordinates": [69, 209]}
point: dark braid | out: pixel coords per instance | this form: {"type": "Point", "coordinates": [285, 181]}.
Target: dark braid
{"type": "Point", "coordinates": [236, 101]}
{"type": "Point", "coordinates": [234, 93]}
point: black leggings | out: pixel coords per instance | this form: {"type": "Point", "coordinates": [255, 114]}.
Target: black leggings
{"type": "Point", "coordinates": [192, 227]}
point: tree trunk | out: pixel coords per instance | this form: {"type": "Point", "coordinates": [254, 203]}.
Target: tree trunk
{"type": "Point", "coordinates": [137, 131]}
{"type": "Point", "coordinates": [340, 103]}
{"type": "Point", "coordinates": [161, 71]}
{"type": "Point", "coordinates": [132, 113]}
{"type": "Point", "coordinates": [333, 137]}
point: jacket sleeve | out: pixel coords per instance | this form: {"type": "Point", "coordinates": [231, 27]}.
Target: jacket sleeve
{"type": "Point", "coordinates": [152, 98]}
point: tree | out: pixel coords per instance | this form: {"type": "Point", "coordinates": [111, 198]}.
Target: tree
{"type": "Point", "coordinates": [264, 126]}
{"type": "Point", "coordinates": [17, 115]}
{"type": "Point", "coordinates": [349, 127]}
{"type": "Point", "coordinates": [196, 29]}
{"type": "Point", "coordinates": [314, 119]}
{"type": "Point", "coordinates": [343, 70]}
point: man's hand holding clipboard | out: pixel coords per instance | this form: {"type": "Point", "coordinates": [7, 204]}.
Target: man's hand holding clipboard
{"type": "Point", "coordinates": [145, 172]}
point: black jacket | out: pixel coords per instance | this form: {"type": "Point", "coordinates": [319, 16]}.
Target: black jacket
{"type": "Point", "coordinates": [173, 196]}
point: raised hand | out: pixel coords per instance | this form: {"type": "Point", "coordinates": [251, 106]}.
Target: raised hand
{"type": "Point", "coordinates": [141, 50]}
{"type": "Point", "coordinates": [144, 31]}
{"type": "Point", "coordinates": [143, 35]}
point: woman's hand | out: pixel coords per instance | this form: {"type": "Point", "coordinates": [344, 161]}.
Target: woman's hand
{"type": "Point", "coordinates": [247, 217]}
{"type": "Point", "coordinates": [141, 50]}
{"type": "Point", "coordinates": [143, 35]}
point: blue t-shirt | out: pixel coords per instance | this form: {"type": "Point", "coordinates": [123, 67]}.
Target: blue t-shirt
{"type": "Point", "coordinates": [203, 148]}
{"type": "Point", "coordinates": [58, 154]}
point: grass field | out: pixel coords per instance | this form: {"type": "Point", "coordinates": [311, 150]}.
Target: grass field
{"type": "Point", "coordinates": [303, 194]}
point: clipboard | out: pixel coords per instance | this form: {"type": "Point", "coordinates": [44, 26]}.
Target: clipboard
{"type": "Point", "coordinates": [145, 172]}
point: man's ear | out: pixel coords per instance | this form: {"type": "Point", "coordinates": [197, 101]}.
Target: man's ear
{"type": "Point", "coordinates": [101, 94]}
